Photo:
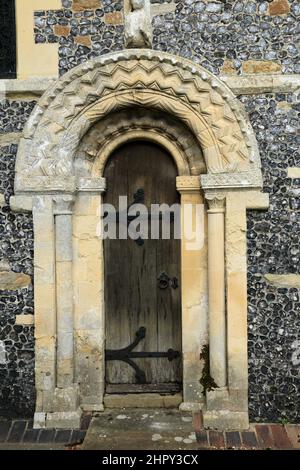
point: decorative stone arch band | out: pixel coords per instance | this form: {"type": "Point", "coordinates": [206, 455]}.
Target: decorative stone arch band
{"type": "Point", "coordinates": [59, 170]}
{"type": "Point", "coordinates": [138, 78]}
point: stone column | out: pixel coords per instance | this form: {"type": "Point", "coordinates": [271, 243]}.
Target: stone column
{"type": "Point", "coordinates": [216, 289]}
{"type": "Point", "coordinates": [193, 291]}
{"type": "Point", "coordinates": [89, 312]}
{"type": "Point", "coordinates": [44, 306]}
{"type": "Point", "coordinates": [63, 409]}
{"type": "Point", "coordinates": [64, 290]}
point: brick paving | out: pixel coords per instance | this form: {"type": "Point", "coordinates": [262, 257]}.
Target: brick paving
{"type": "Point", "coordinates": [21, 432]}
{"type": "Point", "coordinates": [259, 436]}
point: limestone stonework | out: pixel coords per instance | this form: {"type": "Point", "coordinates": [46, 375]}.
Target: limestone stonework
{"type": "Point", "coordinates": [220, 92]}
{"type": "Point", "coordinates": [230, 163]}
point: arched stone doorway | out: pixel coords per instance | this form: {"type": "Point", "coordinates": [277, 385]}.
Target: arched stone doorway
{"type": "Point", "coordinates": [59, 176]}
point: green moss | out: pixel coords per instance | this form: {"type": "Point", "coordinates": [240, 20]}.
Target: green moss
{"type": "Point", "coordinates": [206, 380]}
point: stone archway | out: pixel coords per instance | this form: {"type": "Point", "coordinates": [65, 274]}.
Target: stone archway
{"type": "Point", "coordinates": [63, 193]}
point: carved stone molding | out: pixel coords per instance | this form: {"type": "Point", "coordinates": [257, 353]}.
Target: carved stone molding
{"type": "Point", "coordinates": [244, 179]}
{"type": "Point", "coordinates": [188, 183]}
{"type": "Point", "coordinates": [137, 79]}
{"type": "Point", "coordinates": [134, 124]}
{"type": "Point", "coordinates": [91, 185]}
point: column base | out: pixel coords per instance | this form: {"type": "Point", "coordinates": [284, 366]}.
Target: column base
{"type": "Point", "coordinates": [190, 406]}
{"type": "Point", "coordinates": [222, 420]}
{"type": "Point", "coordinates": [58, 419]}
{"type": "Point", "coordinates": [91, 407]}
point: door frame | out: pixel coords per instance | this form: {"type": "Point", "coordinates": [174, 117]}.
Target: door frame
{"type": "Point", "coordinates": [55, 181]}
{"type": "Point", "coordinates": [194, 295]}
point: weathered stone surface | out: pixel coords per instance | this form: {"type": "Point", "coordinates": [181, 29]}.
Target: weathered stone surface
{"type": "Point", "coordinates": [10, 138]}
{"type": "Point", "coordinates": [279, 7]}
{"type": "Point", "coordinates": [60, 30]}
{"type": "Point", "coordinates": [237, 149]}
{"type": "Point", "coordinates": [138, 29]}
{"type": "Point", "coordinates": [228, 68]}
{"type": "Point", "coordinates": [141, 429]}
{"type": "Point", "coordinates": [225, 420]}
{"type": "Point", "coordinates": [35, 86]}
{"type": "Point", "coordinates": [82, 5]}
{"type": "Point", "coordinates": [25, 320]}
{"type": "Point", "coordinates": [114, 18]}
{"type": "Point", "coordinates": [83, 40]}
{"type": "Point", "coordinates": [39, 420]}
{"type": "Point", "coordinates": [294, 172]}
{"type": "Point", "coordinates": [144, 400]}
{"type": "Point", "coordinates": [259, 84]}
{"type": "Point", "coordinates": [20, 203]}
{"type": "Point", "coordinates": [13, 281]}
{"type": "Point", "coordinates": [260, 66]}
{"type": "Point", "coordinates": [284, 280]}
{"type": "Point", "coordinates": [63, 419]}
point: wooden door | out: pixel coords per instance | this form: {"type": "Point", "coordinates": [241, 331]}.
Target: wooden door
{"type": "Point", "coordinates": [142, 305]}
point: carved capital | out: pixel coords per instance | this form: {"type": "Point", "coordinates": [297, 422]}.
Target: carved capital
{"type": "Point", "coordinates": [63, 205]}
{"type": "Point", "coordinates": [216, 202]}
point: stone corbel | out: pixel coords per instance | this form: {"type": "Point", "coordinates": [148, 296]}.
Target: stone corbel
{"type": "Point", "coordinates": [138, 29]}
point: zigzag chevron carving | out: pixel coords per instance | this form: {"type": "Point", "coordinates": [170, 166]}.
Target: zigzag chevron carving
{"type": "Point", "coordinates": [138, 78]}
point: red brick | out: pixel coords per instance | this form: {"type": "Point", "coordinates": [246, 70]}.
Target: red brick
{"type": "Point", "coordinates": [198, 421]}
{"type": "Point", "coordinates": [264, 435]}
{"type": "Point", "coordinates": [280, 437]}
{"type": "Point", "coordinates": [249, 439]}
{"type": "Point", "coordinates": [233, 439]}
{"type": "Point", "coordinates": [216, 439]}
{"type": "Point", "coordinates": [202, 439]}
{"type": "Point", "coordinates": [293, 432]}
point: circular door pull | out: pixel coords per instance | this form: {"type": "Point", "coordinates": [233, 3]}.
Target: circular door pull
{"type": "Point", "coordinates": [164, 281]}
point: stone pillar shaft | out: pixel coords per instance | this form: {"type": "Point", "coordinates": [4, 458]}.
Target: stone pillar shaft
{"type": "Point", "coordinates": [216, 291]}
{"type": "Point", "coordinates": [193, 289]}
{"type": "Point", "coordinates": [64, 292]}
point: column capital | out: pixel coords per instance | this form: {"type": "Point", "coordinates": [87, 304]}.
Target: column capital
{"type": "Point", "coordinates": [63, 205]}
{"type": "Point", "coordinates": [188, 184]}
{"type": "Point", "coordinates": [216, 201]}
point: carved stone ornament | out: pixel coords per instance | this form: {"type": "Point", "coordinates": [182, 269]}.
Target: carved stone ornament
{"type": "Point", "coordinates": [138, 30]}
{"type": "Point", "coordinates": [138, 80]}
{"type": "Point", "coordinates": [216, 202]}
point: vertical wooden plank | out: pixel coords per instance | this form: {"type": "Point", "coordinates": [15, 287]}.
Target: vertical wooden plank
{"type": "Point", "coordinates": [168, 261]}
{"type": "Point", "coordinates": [132, 297]}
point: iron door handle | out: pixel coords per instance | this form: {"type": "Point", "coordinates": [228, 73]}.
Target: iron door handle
{"type": "Point", "coordinates": [164, 281]}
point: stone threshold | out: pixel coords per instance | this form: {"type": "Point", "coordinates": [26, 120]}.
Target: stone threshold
{"type": "Point", "coordinates": [142, 400]}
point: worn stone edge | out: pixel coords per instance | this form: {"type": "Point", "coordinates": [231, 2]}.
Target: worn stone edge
{"type": "Point", "coordinates": [247, 84]}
